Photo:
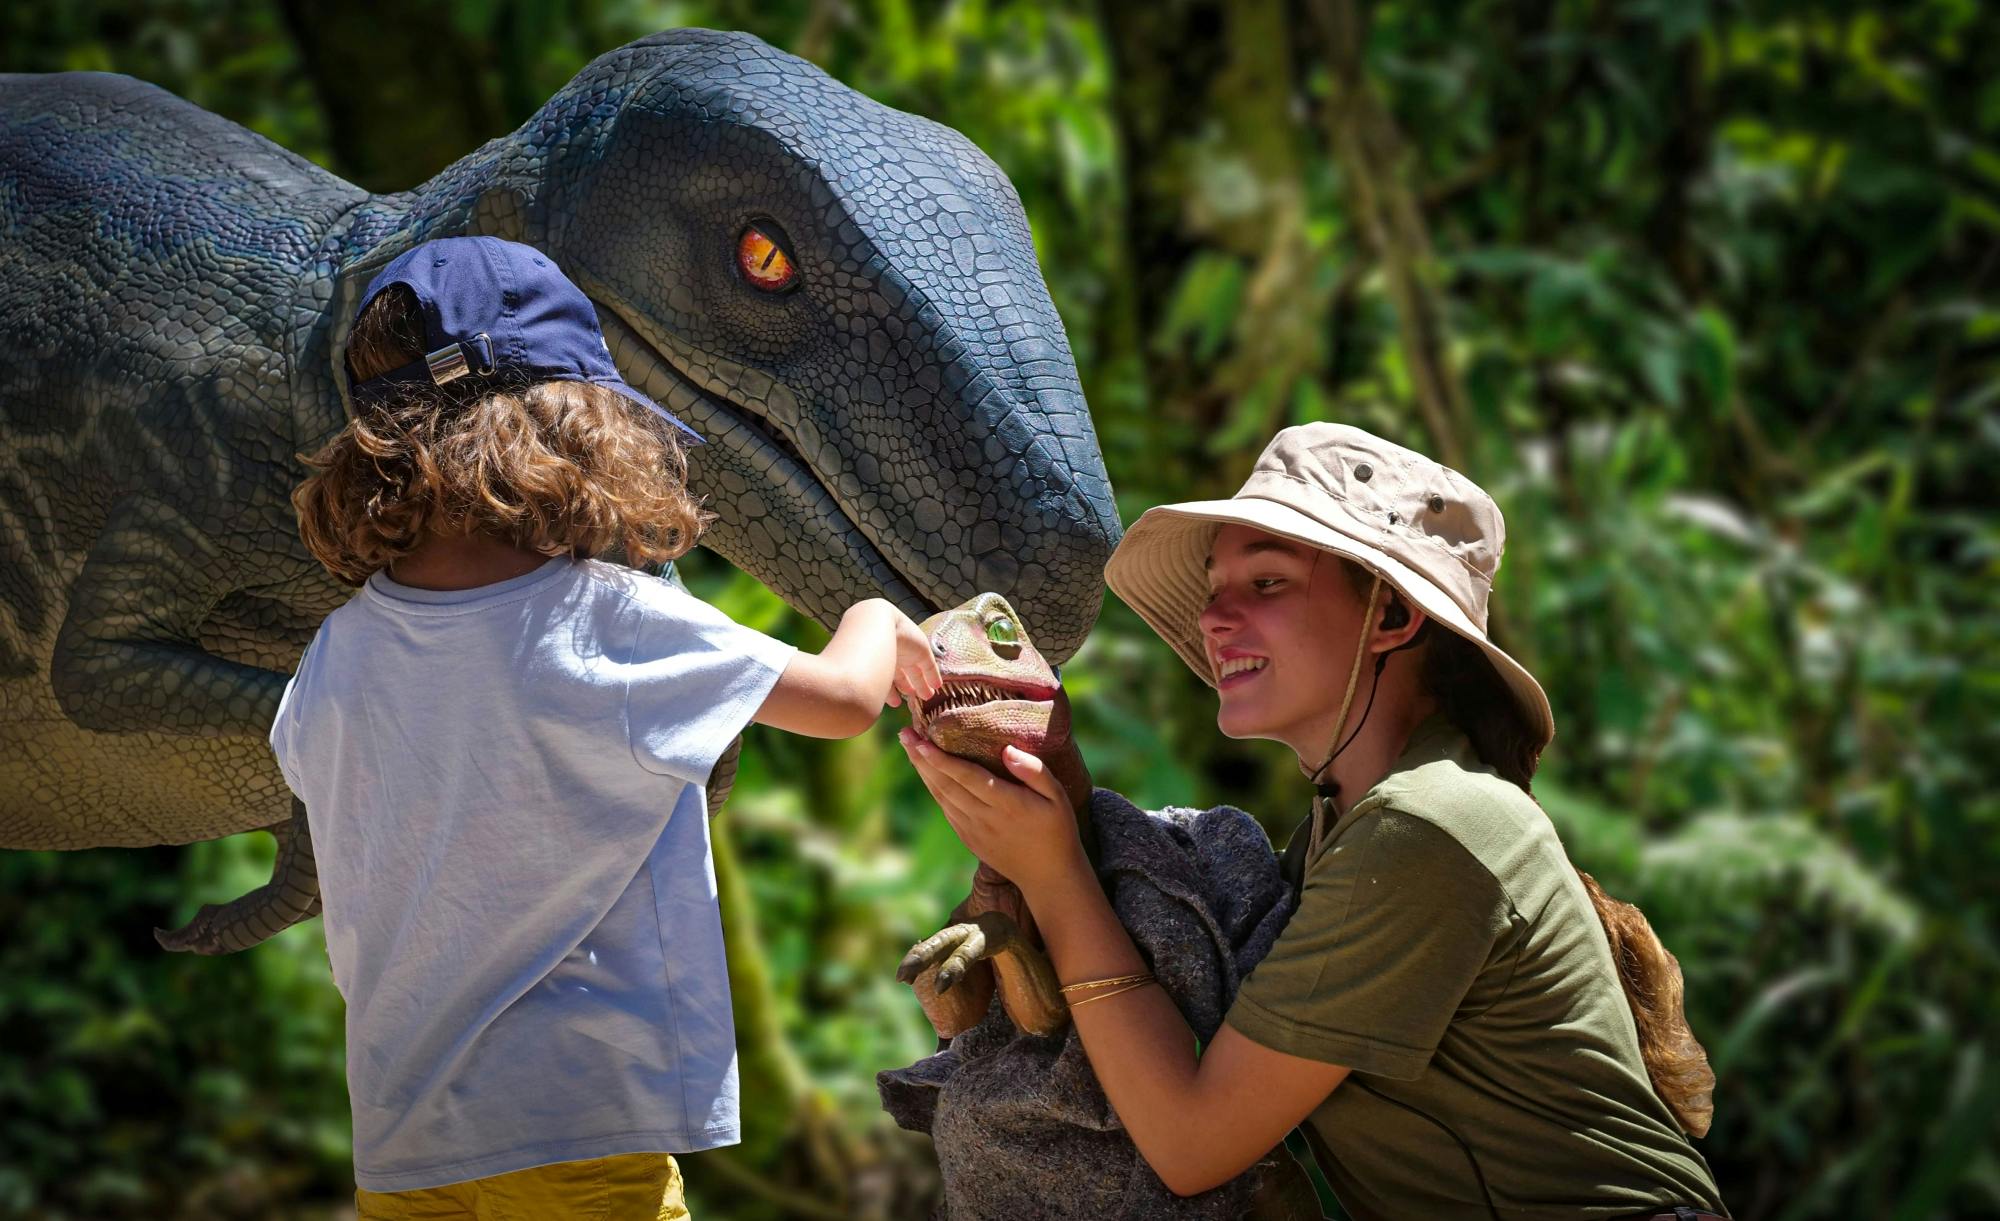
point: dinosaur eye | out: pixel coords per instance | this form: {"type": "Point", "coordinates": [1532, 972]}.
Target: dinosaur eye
{"type": "Point", "coordinates": [1003, 631]}
{"type": "Point", "coordinates": [761, 257]}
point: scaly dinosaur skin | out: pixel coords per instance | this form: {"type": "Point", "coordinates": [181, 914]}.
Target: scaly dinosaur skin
{"type": "Point", "coordinates": [174, 291]}
{"type": "Point", "coordinates": [997, 691]}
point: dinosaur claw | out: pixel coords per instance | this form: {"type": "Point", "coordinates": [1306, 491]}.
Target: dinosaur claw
{"type": "Point", "coordinates": [953, 951]}
{"type": "Point", "coordinates": [290, 896]}
{"type": "Point", "coordinates": [920, 957]}
{"type": "Point", "coordinates": [189, 940]}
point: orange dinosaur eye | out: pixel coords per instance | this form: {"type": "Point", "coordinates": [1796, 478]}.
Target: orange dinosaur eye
{"type": "Point", "coordinates": [761, 257]}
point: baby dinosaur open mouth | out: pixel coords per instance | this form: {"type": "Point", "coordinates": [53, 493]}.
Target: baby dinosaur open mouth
{"type": "Point", "coordinates": [959, 694]}
{"type": "Point", "coordinates": [978, 717]}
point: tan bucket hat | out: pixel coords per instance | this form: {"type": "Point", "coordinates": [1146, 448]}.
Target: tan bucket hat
{"type": "Point", "coordinates": [1427, 530]}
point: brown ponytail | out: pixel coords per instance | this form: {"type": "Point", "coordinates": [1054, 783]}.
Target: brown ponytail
{"type": "Point", "coordinates": [1472, 696]}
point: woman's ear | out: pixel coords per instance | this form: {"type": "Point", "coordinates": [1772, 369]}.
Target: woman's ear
{"type": "Point", "coordinates": [1399, 625]}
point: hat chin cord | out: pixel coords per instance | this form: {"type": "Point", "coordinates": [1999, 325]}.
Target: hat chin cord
{"type": "Point", "coordinates": [1328, 790]}
{"type": "Point", "coordinates": [1347, 698]}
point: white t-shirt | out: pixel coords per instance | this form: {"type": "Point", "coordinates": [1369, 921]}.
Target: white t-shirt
{"type": "Point", "coordinates": [506, 793]}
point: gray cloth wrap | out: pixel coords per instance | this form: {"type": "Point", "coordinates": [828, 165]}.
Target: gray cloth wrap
{"type": "Point", "coordinates": [1021, 1126]}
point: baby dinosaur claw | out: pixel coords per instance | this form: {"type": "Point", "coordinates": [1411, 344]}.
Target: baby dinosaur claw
{"type": "Point", "coordinates": [952, 950]}
{"type": "Point", "coordinates": [953, 960]}
{"type": "Point", "coordinates": [1026, 979]}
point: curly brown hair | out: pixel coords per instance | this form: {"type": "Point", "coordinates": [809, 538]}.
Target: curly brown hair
{"type": "Point", "coordinates": [557, 467]}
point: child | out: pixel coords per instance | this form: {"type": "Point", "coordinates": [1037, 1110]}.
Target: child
{"type": "Point", "coordinates": [503, 744]}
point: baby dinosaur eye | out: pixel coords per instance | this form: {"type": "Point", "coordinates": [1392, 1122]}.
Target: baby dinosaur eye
{"type": "Point", "coordinates": [1003, 631]}
{"type": "Point", "coordinates": [761, 257]}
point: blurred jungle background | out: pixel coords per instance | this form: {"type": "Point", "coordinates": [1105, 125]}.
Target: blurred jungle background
{"type": "Point", "coordinates": [1705, 293]}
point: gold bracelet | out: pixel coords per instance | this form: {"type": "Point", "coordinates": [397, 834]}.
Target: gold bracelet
{"type": "Point", "coordinates": [1105, 996]}
{"type": "Point", "coordinates": [1086, 984]}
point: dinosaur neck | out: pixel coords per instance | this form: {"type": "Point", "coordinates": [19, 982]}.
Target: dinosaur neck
{"type": "Point", "coordinates": [1067, 766]}
{"type": "Point", "coordinates": [491, 191]}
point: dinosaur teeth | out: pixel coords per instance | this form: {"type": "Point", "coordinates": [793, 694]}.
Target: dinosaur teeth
{"type": "Point", "coordinates": [958, 695]}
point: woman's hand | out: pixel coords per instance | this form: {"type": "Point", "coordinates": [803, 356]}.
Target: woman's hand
{"type": "Point", "coordinates": [1026, 831]}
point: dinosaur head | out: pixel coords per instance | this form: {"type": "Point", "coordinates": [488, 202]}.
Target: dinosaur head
{"type": "Point", "coordinates": [997, 691]}
{"type": "Point", "coordinates": [844, 300]}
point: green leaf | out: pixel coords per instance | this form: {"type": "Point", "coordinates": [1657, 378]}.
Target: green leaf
{"type": "Point", "coordinates": [1712, 356]}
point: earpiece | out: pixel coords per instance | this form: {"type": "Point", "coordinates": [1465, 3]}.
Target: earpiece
{"type": "Point", "coordinates": [1395, 614]}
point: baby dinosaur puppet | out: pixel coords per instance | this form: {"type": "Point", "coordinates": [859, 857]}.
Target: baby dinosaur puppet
{"type": "Point", "coordinates": [997, 691]}
{"type": "Point", "coordinates": [1019, 1122]}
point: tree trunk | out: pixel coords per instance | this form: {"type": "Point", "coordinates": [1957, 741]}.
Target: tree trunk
{"type": "Point", "coordinates": [1370, 153]}
{"type": "Point", "coordinates": [405, 93]}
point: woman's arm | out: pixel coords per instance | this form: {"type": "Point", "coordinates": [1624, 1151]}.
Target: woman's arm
{"type": "Point", "coordinates": [1198, 1119]}
{"type": "Point", "coordinates": [877, 655]}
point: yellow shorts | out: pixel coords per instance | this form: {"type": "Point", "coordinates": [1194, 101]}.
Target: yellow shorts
{"type": "Point", "coordinates": [630, 1187]}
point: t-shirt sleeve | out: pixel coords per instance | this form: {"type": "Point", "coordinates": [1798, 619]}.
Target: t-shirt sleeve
{"type": "Point", "coordinates": [1395, 921]}
{"type": "Point", "coordinates": [697, 677]}
{"type": "Point", "coordinates": [284, 726]}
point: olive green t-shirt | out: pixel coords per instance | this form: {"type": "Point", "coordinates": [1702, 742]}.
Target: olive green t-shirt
{"type": "Point", "coordinates": [1444, 950]}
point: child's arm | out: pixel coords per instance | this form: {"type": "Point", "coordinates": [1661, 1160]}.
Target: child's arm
{"type": "Point", "coordinates": [877, 656]}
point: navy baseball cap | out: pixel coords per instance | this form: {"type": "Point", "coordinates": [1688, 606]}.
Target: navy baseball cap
{"type": "Point", "coordinates": [496, 312]}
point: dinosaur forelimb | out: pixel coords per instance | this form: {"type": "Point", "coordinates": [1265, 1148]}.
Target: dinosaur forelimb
{"type": "Point", "coordinates": [1025, 977]}
{"type": "Point", "coordinates": [955, 1007]}
{"type": "Point", "coordinates": [723, 777]}
{"type": "Point", "coordinates": [124, 660]}
{"type": "Point", "coordinates": [290, 896]}
{"type": "Point", "coordinates": [954, 1012]}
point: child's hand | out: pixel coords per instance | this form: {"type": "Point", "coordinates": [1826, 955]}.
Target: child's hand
{"type": "Point", "coordinates": [839, 692]}
{"type": "Point", "coordinates": [917, 677]}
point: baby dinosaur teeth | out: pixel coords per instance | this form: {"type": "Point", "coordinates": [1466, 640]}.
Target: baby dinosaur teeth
{"type": "Point", "coordinates": [965, 695]}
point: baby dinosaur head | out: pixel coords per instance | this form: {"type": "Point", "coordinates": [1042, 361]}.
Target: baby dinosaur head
{"type": "Point", "coordinates": [997, 690]}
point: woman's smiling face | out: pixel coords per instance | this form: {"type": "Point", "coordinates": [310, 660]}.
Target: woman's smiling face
{"type": "Point", "coordinates": [1280, 629]}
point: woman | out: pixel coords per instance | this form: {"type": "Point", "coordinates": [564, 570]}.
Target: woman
{"type": "Point", "coordinates": [1442, 1011]}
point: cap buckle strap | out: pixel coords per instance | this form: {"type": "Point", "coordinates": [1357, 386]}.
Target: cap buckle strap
{"type": "Point", "coordinates": [449, 363]}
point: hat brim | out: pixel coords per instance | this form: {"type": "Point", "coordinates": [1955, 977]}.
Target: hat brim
{"type": "Point", "coordinates": [1160, 570]}
{"type": "Point", "coordinates": [623, 387]}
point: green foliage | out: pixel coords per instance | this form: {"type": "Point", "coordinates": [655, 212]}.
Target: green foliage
{"type": "Point", "coordinates": [1716, 313]}
{"type": "Point", "coordinates": [137, 1083]}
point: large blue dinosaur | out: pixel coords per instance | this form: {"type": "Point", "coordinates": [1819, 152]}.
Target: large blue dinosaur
{"type": "Point", "coordinates": [890, 403]}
